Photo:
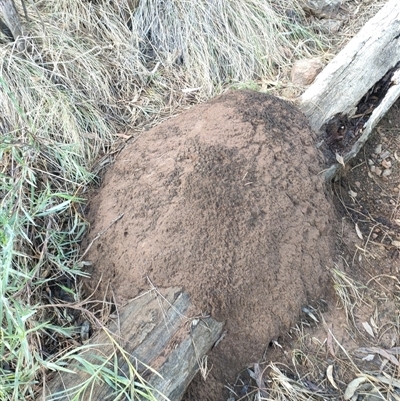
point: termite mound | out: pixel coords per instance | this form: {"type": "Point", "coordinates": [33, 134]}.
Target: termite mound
{"type": "Point", "coordinates": [225, 201]}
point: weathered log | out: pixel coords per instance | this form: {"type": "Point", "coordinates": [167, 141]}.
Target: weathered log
{"type": "Point", "coordinates": [155, 333]}
{"type": "Point", "coordinates": [13, 22]}
{"type": "Point", "coordinates": [346, 80]}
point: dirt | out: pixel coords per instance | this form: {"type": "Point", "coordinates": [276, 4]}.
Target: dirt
{"type": "Point", "coordinates": [368, 191]}
{"type": "Point", "coordinates": [225, 201]}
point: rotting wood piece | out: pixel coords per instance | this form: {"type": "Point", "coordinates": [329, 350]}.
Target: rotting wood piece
{"type": "Point", "coordinates": [339, 91]}
{"type": "Point", "coordinates": [377, 114]}
{"type": "Point", "coordinates": [13, 22]}
{"type": "Point", "coordinates": [342, 132]}
{"type": "Point", "coordinates": [157, 334]}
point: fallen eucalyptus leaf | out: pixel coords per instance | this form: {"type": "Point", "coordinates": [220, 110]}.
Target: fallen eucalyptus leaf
{"type": "Point", "coordinates": [340, 159]}
{"type": "Point", "coordinates": [329, 375]}
{"type": "Point", "coordinates": [368, 329]}
{"type": "Point", "coordinates": [358, 231]}
{"type": "Point", "coordinates": [369, 357]}
{"type": "Point", "coordinates": [352, 387]}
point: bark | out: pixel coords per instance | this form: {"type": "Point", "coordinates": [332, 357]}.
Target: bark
{"type": "Point", "coordinates": [157, 334]}
{"type": "Point", "coordinates": [13, 21]}
{"type": "Point", "coordinates": [365, 60]}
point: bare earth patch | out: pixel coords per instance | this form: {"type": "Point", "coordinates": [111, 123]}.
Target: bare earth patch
{"type": "Point", "coordinates": [226, 201]}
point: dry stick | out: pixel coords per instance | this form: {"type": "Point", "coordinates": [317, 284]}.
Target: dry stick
{"type": "Point", "coordinates": [159, 295]}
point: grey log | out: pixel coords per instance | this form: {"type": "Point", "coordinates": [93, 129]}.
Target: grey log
{"type": "Point", "coordinates": [157, 333]}
{"type": "Point", "coordinates": [13, 21]}
{"type": "Point", "coordinates": [347, 78]}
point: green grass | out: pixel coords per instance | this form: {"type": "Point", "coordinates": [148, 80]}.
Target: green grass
{"type": "Point", "coordinates": [95, 69]}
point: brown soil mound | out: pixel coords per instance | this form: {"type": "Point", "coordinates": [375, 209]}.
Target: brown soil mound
{"type": "Point", "coordinates": [226, 202]}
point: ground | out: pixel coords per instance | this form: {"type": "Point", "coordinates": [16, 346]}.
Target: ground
{"type": "Point", "coordinates": [68, 100]}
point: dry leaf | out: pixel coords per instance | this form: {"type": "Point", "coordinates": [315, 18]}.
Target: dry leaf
{"type": "Point", "coordinates": [373, 324]}
{"type": "Point", "coordinates": [368, 329]}
{"type": "Point", "coordinates": [383, 364]}
{"type": "Point", "coordinates": [189, 90]}
{"type": "Point", "coordinates": [352, 387]}
{"type": "Point", "coordinates": [329, 375]}
{"type": "Point", "coordinates": [396, 243]}
{"type": "Point", "coordinates": [386, 354]}
{"type": "Point", "coordinates": [352, 193]}
{"type": "Point", "coordinates": [391, 381]}
{"type": "Point", "coordinates": [309, 313]}
{"type": "Point", "coordinates": [394, 350]}
{"type": "Point", "coordinates": [257, 376]}
{"type": "Point", "coordinates": [340, 159]}
{"type": "Point", "coordinates": [369, 357]}
{"type": "Point", "coordinates": [358, 231]}
{"type": "Point", "coordinates": [123, 136]}
{"type": "Point", "coordinates": [329, 343]}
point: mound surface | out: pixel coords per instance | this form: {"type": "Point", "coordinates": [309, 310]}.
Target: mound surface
{"type": "Point", "coordinates": [225, 201]}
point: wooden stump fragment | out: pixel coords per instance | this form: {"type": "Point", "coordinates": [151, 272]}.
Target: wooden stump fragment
{"type": "Point", "coordinates": [157, 334]}
{"type": "Point", "coordinates": [13, 22]}
{"type": "Point", "coordinates": [346, 80]}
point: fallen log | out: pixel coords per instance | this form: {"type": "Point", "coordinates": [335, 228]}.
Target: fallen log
{"type": "Point", "coordinates": [165, 347]}
{"type": "Point", "coordinates": [13, 22]}
{"type": "Point", "coordinates": [355, 90]}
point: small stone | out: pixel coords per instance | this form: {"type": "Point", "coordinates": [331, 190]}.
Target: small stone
{"type": "Point", "coordinates": [378, 171]}
{"type": "Point", "coordinates": [386, 163]}
{"type": "Point", "coordinates": [385, 154]}
{"type": "Point", "coordinates": [378, 149]}
{"type": "Point", "coordinates": [372, 169]}
{"type": "Point", "coordinates": [374, 235]}
{"type": "Point", "coordinates": [304, 71]}
{"type": "Point", "coordinates": [387, 172]}
{"type": "Point", "coordinates": [329, 26]}
{"type": "Point", "coordinates": [370, 162]}
{"type": "Point", "coordinates": [358, 184]}
{"type": "Point", "coordinates": [322, 8]}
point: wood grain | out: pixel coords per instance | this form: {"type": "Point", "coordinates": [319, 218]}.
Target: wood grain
{"type": "Point", "coordinates": [156, 332]}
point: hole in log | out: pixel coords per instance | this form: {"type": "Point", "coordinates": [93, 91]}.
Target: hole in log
{"type": "Point", "coordinates": [341, 131]}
